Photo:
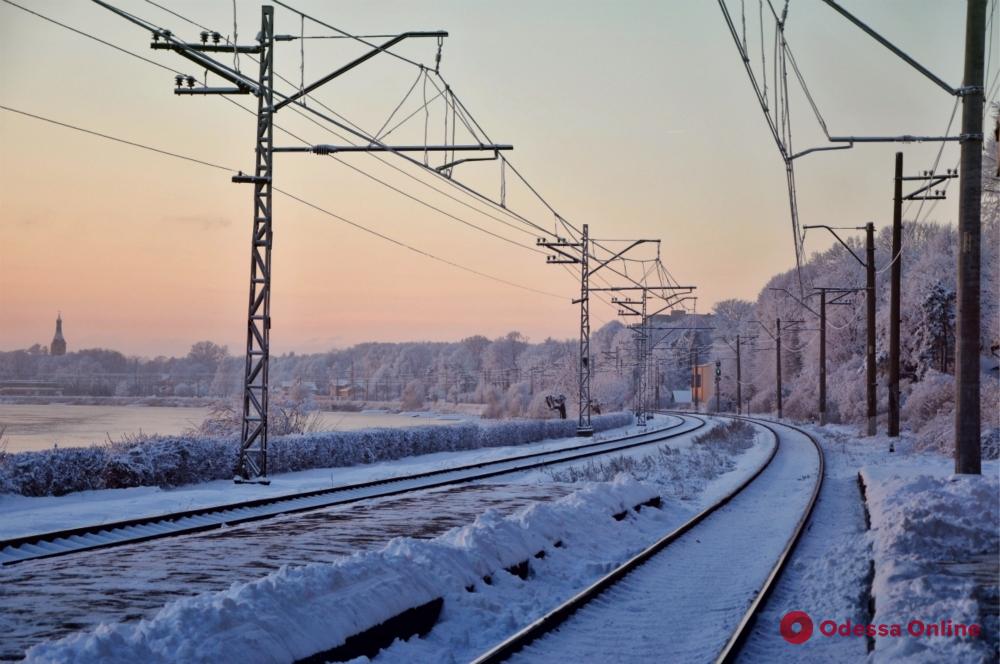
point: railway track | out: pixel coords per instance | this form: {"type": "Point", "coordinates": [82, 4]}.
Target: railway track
{"type": "Point", "coordinates": [131, 531]}
{"type": "Point", "coordinates": [693, 595]}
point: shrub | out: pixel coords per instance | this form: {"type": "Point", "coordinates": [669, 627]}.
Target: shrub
{"type": "Point", "coordinates": [170, 461]}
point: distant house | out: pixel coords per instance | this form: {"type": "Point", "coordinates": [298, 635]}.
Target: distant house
{"type": "Point", "coordinates": [287, 388]}
{"type": "Point", "coordinates": [704, 382]}
{"type": "Point", "coordinates": [343, 388]}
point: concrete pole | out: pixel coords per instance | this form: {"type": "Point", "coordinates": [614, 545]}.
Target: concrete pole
{"type": "Point", "coordinates": [870, 345]}
{"type": "Point", "coordinates": [967, 428]}
{"type": "Point", "coordinates": [894, 295]}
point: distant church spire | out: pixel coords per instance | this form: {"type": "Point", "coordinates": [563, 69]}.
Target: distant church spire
{"type": "Point", "coordinates": [58, 346]}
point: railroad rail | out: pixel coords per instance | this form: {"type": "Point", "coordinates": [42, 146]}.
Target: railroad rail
{"type": "Point", "coordinates": [557, 622]}
{"type": "Point", "coordinates": [131, 531]}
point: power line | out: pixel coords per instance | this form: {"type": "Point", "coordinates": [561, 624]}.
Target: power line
{"type": "Point", "coordinates": [377, 139]}
{"type": "Point", "coordinates": [285, 193]}
{"type": "Point", "coordinates": [361, 133]}
{"type": "Point", "coordinates": [356, 169]}
{"type": "Point", "coordinates": [167, 153]}
{"type": "Point", "coordinates": [463, 113]}
{"type": "Point", "coordinates": [90, 36]}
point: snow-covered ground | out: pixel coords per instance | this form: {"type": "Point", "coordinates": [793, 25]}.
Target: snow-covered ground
{"type": "Point", "coordinates": [928, 530]}
{"type": "Point", "coordinates": [933, 541]}
{"type": "Point", "coordinates": [936, 546]}
{"type": "Point", "coordinates": [298, 611]}
{"type": "Point", "coordinates": [22, 515]}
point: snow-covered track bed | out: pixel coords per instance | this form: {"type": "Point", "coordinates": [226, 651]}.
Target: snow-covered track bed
{"type": "Point", "coordinates": [691, 596]}
{"type": "Point", "coordinates": [105, 535]}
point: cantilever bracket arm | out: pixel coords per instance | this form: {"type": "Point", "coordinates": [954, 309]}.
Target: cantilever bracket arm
{"type": "Point", "coordinates": [935, 181]}
{"type": "Point", "coordinates": [452, 164]}
{"type": "Point", "coordinates": [186, 50]}
{"type": "Point", "coordinates": [354, 63]}
{"type": "Point", "coordinates": [846, 246]}
{"type": "Point", "coordinates": [800, 302]}
{"type": "Point", "coordinates": [763, 327]}
{"type": "Point", "coordinates": [892, 47]}
{"type": "Point", "coordinates": [381, 147]}
{"type": "Point", "coordinates": [670, 302]}
{"type": "Point", "coordinates": [820, 149]}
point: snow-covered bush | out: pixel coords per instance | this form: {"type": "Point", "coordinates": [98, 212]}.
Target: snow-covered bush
{"type": "Point", "coordinates": [493, 398]}
{"type": "Point", "coordinates": [176, 460]}
{"type": "Point", "coordinates": [292, 414]}
{"type": "Point", "coordinates": [929, 410]}
{"type": "Point", "coordinates": [518, 399]}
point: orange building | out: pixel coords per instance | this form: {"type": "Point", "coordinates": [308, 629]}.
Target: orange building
{"type": "Point", "coordinates": [703, 383]}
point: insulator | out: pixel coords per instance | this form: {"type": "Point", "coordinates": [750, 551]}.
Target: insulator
{"type": "Point", "coordinates": [179, 79]}
{"type": "Point", "coordinates": [190, 81]}
{"type": "Point", "coordinates": [216, 37]}
{"type": "Point", "coordinates": [204, 36]}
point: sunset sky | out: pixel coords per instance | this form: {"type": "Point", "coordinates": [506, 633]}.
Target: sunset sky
{"type": "Point", "coordinates": [635, 117]}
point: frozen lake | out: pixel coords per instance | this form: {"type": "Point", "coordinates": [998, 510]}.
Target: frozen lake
{"type": "Point", "coordinates": [38, 427]}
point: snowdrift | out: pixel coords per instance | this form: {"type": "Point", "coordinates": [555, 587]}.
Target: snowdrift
{"type": "Point", "coordinates": [298, 611]}
{"type": "Point", "coordinates": [175, 460]}
{"type": "Point", "coordinates": [931, 538]}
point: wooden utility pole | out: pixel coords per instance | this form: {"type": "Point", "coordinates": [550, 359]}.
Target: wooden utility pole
{"type": "Point", "coordinates": [870, 345]}
{"type": "Point", "coordinates": [695, 376]}
{"type": "Point", "coordinates": [822, 356]}
{"type": "Point", "coordinates": [777, 356]}
{"type": "Point", "coordinates": [967, 428]}
{"type": "Point", "coordinates": [894, 295]}
{"type": "Point", "coordinates": [739, 379]}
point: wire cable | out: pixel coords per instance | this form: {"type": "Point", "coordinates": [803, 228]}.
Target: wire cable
{"type": "Point", "coordinates": [341, 218]}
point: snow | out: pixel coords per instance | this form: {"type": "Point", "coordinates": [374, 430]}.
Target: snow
{"type": "Point", "coordinates": [913, 499]}
{"type": "Point", "coordinates": [682, 604]}
{"type": "Point", "coordinates": [827, 574]}
{"type": "Point", "coordinates": [178, 460]}
{"type": "Point", "coordinates": [298, 611]}
{"type": "Point", "coordinates": [24, 515]}
{"type": "Point", "coordinates": [935, 542]}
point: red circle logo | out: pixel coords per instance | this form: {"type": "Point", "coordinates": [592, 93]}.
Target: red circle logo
{"type": "Point", "coordinates": [796, 627]}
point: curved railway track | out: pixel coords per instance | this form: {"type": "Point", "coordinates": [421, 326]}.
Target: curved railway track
{"type": "Point", "coordinates": [106, 535]}
{"type": "Point", "coordinates": [703, 561]}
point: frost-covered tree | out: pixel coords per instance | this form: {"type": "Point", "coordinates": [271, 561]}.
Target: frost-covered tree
{"type": "Point", "coordinates": [413, 395]}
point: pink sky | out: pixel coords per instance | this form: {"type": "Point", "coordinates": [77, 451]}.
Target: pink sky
{"type": "Point", "coordinates": [636, 119]}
